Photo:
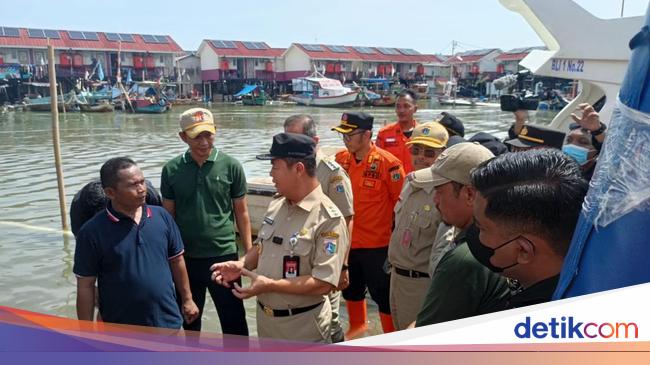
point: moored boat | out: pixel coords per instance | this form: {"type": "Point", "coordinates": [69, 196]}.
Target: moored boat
{"type": "Point", "coordinates": [318, 90]}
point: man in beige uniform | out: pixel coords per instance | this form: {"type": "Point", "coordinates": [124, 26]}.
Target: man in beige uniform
{"type": "Point", "coordinates": [301, 248]}
{"type": "Point", "coordinates": [416, 226]}
{"type": "Point", "coordinates": [335, 183]}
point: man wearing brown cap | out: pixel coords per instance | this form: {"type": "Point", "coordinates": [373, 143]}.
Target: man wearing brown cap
{"type": "Point", "coordinates": [461, 286]}
{"type": "Point", "coordinates": [205, 190]}
{"type": "Point", "coordinates": [416, 224]}
{"type": "Point", "coordinates": [377, 177]}
{"type": "Point", "coordinates": [300, 249]}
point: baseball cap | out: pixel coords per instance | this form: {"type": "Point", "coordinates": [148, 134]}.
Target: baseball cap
{"type": "Point", "coordinates": [455, 164]}
{"type": "Point", "coordinates": [431, 134]}
{"type": "Point", "coordinates": [453, 125]}
{"type": "Point", "coordinates": [537, 136]}
{"type": "Point", "coordinates": [290, 145]}
{"type": "Point", "coordinates": [351, 121]}
{"type": "Point", "coordinates": [490, 142]}
{"type": "Point", "coordinates": [196, 120]}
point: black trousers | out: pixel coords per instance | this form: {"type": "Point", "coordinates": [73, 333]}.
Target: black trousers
{"type": "Point", "coordinates": [230, 309]}
{"type": "Point", "coordinates": [366, 270]}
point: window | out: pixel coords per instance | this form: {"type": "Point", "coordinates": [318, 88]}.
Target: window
{"type": "Point", "coordinates": [39, 58]}
{"type": "Point", "coordinates": [22, 57]}
{"type": "Point", "coordinates": [162, 59]}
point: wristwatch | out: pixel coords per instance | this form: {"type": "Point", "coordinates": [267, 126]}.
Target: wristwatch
{"type": "Point", "coordinates": [600, 130]}
{"type": "Point", "coordinates": [344, 267]}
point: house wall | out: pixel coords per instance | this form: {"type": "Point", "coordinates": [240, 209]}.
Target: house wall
{"type": "Point", "coordinates": [296, 60]}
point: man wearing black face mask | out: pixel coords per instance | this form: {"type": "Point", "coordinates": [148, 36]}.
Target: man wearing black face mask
{"type": "Point", "coordinates": [526, 209]}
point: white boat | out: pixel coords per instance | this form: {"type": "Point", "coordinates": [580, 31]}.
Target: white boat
{"type": "Point", "coordinates": [318, 90]}
{"type": "Point", "coordinates": [598, 60]}
{"type": "Point", "coordinates": [448, 100]}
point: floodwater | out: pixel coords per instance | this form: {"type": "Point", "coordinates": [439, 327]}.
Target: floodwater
{"type": "Point", "coordinates": [36, 257]}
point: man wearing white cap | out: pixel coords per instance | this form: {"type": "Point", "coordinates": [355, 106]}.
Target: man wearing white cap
{"type": "Point", "coordinates": [205, 190]}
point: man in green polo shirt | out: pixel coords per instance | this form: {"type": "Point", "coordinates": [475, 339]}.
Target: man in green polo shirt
{"type": "Point", "coordinates": [205, 190]}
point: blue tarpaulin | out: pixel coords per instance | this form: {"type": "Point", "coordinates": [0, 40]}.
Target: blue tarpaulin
{"type": "Point", "coordinates": [246, 90]}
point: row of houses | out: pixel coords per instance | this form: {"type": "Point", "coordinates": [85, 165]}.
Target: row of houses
{"type": "Point", "coordinates": [222, 64]}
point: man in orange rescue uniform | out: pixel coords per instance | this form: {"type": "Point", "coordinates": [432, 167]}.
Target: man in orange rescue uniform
{"type": "Point", "coordinates": [394, 136]}
{"type": "Point", "coordinates": [377, 178]}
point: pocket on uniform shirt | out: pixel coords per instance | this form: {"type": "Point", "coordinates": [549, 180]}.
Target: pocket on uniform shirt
{"type": "Point", "coordinates": [370, 189]}
{"type": "Point", "coordinates": [303, 247]}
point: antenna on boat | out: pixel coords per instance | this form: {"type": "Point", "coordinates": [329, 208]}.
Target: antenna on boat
{"type": "Point", "coordinates": [622, 7]}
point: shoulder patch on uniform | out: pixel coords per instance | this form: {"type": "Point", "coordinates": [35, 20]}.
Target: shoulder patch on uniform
{"type": "Point", "coordinates": [410, 176]}
{"type": "Point", "coordinates": [333, 211]}
{"type": "Point", "coordinates": [329, 234]}
{"type": "Point", "coordinates": [330, 246]}
{"type": "Point", "coordinates": [396, 175]}
{"type": "Point", "coordinates": [268, 220]}
{"type": "Point", "coordinates": [332, 165]}
{"type": "Point", "coordinates": [336, 179]}
{"type": "Point", "coordinates": [396, 167]}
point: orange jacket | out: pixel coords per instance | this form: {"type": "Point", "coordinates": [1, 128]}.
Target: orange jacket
{"type": "Point", "coordinates": [376, 185]}
{"type": "Point", "coordinates": [391, 139]}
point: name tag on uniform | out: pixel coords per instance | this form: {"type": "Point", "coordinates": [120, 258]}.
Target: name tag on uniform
{"type": "Point", "coordinates": [406, 238]}
{"type": "Point", "coordinates": [290, 267]}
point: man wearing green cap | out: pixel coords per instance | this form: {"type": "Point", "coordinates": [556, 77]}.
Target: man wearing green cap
{"type": "Point", "coordinates": [204, 189]}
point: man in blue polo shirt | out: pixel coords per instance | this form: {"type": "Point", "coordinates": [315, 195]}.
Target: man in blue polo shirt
{"type": "Point", "coordinates": [135, 252]}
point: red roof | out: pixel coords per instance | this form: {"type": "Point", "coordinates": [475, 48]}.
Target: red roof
{"type": "Point", "coordinates": [242, 51]}
{"type": "Point", "coordinates": [139, 45]}
{"type": "Point", "coordinates": [512, 56]}
{"type": "Point", "coordinates": [354, 55]}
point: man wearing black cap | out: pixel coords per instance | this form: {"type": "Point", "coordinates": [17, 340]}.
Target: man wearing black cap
{"type": "Point", "coordinates": [452, 124]}
{"type": "Point", "coordinates": [377, 178]}
{"type": "Point", "coordinates": [300, 251]}
{"type": "Point", "coordinates": [536, 136]}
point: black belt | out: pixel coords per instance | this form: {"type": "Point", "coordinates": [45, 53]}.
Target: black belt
{"type": "Point", "coordinates": [411, 273]}
{"type": "Point", "coordinates": [286, 312]}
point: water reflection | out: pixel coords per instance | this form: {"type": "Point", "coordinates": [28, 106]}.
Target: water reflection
{"type": "Point", "coordinates": [36, 259]}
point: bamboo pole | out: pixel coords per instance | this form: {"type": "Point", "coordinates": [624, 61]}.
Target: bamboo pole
{"type": "Point", "coordinates": [55, 137]}
{"type": "Point", "coordinates": [62, 100]}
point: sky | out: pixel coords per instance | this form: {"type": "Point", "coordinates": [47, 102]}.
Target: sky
{"type": "Point", "coordinates": [427, 26]}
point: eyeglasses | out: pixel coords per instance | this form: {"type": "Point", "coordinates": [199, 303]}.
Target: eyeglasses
{"type": "Point", "coordinates": [348, 136]}
{"type": "Point", "coordinates": [428, 152]}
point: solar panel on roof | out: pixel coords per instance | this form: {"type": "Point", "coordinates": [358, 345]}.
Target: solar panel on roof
{"type": "Point", "coordinates": [161, 39]}
{"type": "Point", "coordinates": [148, 38]}
{"type": "Point", "coordinates": [126, 37]}
{"type": "Point", "coordinates": [408, 51]}
{"type": "Point", "coordinates": [255, 45]}
{"type": "Point", "coordinates": [224, 44]}
{"type": "Point", "coordinates": [365, 50]}
{"type": "Point", "coordinates": [112, 37]}
{"type": "Point", "coordinates": [313, 47]}
{"type": "Point", "coordinates": [9, 32]}
{"type": "Point", "coordinates": [76, 35]}
{"type": "Point", "coordinates": [91, 36]}
{"type": "Point", "coordinates": [387, 51]}
{"type": "Point", "coordinates": [338, 49]}
{"type": "Point", "coordinates": [53, 34]}
{"type": "Point", "coordinates": [35, 33]}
